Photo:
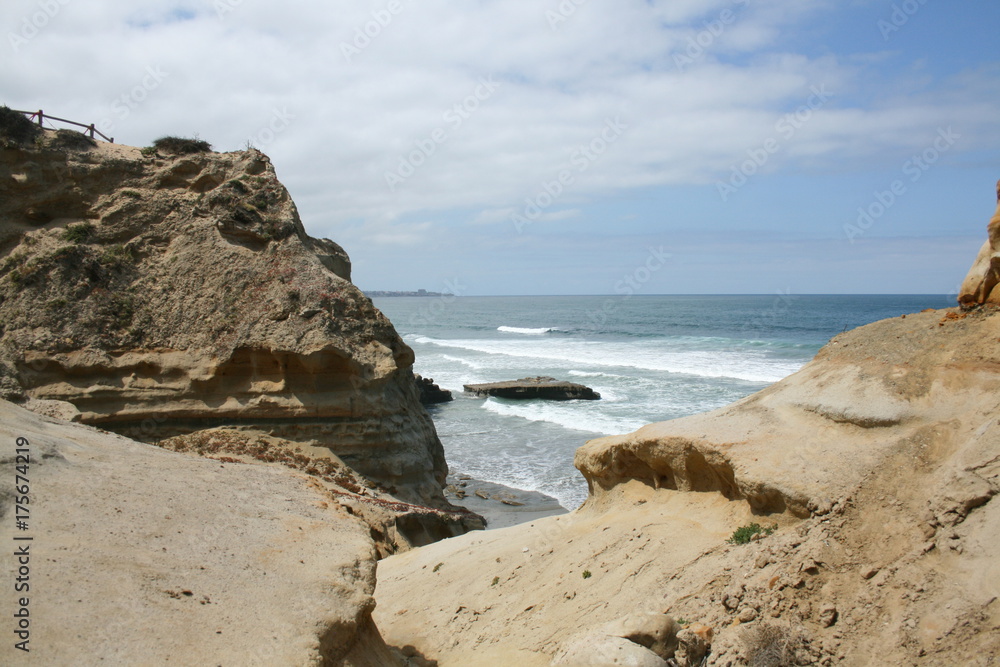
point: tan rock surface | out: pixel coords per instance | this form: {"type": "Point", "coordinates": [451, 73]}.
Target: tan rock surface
{"type": "Point", "coordinates": [979, 285]}
{"type": "Point", "coordinates": [879, 462]}
{"type": "Point", "coordinates": [146, 557]}
{"type": "Point", "coordinates": [163, 294]}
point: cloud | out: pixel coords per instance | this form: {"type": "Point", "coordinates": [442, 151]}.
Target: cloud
{"type": "Point", "coordinates": [366, 92]}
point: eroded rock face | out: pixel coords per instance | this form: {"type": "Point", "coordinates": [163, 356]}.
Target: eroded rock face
{"type": "Point", "coordinates": [162, 295]}
{"type": "Point", "coordinates": [979, 285]}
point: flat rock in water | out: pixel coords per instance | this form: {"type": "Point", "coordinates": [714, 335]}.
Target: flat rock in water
{"type": "Point", "coordinates": [546, 388]}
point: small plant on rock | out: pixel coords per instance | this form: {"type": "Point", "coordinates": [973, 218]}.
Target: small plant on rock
{"type": "Point", "coordinates": [774, 645]}
{"type": "Point", "coordinates": [78, 233]}
{"type": "Point", "coordinates": [745, 534]}
{"type": "Point", "coordinates": [587, 574]}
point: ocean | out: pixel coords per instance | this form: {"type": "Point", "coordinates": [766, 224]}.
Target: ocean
{"type": "Point", "coordinates": [652, 358]}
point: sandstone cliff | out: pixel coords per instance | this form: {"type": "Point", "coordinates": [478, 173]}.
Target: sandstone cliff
{"type": "Point", "coordinates": [978, 286]}
{"type": "Point", "coordinates": [166, 294]}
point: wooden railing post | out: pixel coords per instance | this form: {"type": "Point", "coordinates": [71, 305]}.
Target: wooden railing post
{"type": "Point", "coordinates": [90, 129]}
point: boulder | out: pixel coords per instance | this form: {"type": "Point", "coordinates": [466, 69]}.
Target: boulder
{"type": "Point", "coordinates": [980, 283]}
{"type": "Point", "coordinates": [430, 393]}
{"type": "Point", "coordinates": [546, 388]}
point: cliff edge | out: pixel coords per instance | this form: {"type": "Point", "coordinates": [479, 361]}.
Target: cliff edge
{"type": "Point", "coordinates": [165, 293]}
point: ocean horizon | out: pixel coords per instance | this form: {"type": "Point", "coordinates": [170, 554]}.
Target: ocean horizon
{"type": "Point", "coordinates": [651, 357]}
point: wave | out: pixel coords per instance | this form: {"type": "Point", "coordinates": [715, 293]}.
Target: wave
{"type": "Point", "coordinates": [594, 374]}
{"type": "Point", "coordinates": [748, 365]}
{"type": "Point", "coordinates": [529, 332]}
{"type": "Point", "coordinates": [460, 360]}
{"type": "Point", "coordinates": [574, 417]}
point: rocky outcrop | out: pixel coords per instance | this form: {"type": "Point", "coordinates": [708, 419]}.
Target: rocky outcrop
{"type": "Point", "coordinates": [167, 294]}
{"type": "Point", "coordinates": [979, 285]}
{"type": "Point", "coordinates": [430, 393]}
{"type": "Point", "coordinates": [545, 388]}
{"type": "Point", "coordinates": [136, 555]}
{"type": "Point", "coordinates": [878, 465]}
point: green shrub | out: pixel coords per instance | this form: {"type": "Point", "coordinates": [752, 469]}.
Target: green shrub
{"type": "Point", "coordinates": [181, 145]}
{"type": "Point", "coordinates": [744, 534]}
{"type": "Point", "coordinates": [78, 233]}
{"type": "Point", "coordinates": [72, 140]}
{"type": "Point", "coordinates": [116, 257]}
{"type": "Point", "coordinates": [15, 128]}
{"type": "Point", "coordinates": [587, 574]}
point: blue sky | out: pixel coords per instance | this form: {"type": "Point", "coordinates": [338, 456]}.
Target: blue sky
{"type": "Point", "coordinates": [556, 146]}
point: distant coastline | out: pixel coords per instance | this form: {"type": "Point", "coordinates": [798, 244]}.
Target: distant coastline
{"type": "Point", "coordinates": [422, 292]}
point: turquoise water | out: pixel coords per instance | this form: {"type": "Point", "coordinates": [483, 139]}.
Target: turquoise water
{"type": "Point", "coordinates": [652, 358]}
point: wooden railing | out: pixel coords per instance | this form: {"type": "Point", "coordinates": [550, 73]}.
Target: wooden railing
{"type": "Point", "coordinates": [41, 117]}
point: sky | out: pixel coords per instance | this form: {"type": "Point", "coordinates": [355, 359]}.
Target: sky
{"type": "Point", "coordinates": [568, 146]}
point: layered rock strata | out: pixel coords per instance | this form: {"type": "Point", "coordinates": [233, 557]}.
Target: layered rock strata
{"type": "Point", "coordinates": [166, 294]}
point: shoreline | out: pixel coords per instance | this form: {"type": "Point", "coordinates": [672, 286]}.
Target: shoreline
{"type": "Point", "coordinates": [502, 506]}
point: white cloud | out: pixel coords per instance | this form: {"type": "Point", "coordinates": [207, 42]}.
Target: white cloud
{"type": "Point", "coordinates": [355, 117]}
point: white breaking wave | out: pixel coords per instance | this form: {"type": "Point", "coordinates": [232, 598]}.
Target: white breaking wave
{"type": "Point", "coordinates": [568, 415]}
{"type": "Point", "coordinates": [529, 332]}
{"type": "Point", "coordinates": [747, 365]}
{"type": "Point", "coordinates": [598, 374]}
{"type": "Point", "coordinates": [464, 362]}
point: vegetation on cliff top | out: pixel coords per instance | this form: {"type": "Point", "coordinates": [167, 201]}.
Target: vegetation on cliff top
{"type": "Point", "coordinates": [181, 145]}
{"type": "Point", "coordinates": [15, 128]}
